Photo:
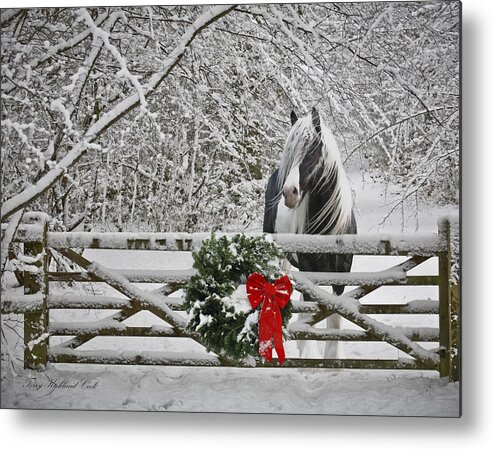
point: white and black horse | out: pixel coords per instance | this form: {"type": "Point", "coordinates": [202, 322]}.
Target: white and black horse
{"type": "Point", "coordinates": [310, 194]}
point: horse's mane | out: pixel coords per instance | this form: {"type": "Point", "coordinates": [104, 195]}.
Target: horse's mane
{"type": "Point", "coordinates": [335, 215]}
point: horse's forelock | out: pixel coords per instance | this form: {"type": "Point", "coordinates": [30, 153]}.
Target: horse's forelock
{"type": "Point", "coordinates": [296, 146]}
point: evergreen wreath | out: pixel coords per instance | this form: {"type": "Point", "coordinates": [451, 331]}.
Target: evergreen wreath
{"type": "Point", "coordinates": [225, 320]}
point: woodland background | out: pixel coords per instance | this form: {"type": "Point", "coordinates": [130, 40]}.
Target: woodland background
{"type": "Point", "coordinates": [172, 118]}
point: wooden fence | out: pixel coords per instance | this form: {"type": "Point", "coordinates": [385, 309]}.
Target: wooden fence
{"type": "Point", "coordinates": [42, 248]}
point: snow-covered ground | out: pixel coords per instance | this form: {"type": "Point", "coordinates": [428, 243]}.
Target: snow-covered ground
{"type": "Point", "coordinates": [234, 390]}
{"type": "Point", "coordinates": [311, 391]}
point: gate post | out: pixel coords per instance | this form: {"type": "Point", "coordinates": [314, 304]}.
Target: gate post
{"type": "Point", "coordinates": [36, 335]}
{"type": "Point", "coordinates": [449, 298]}
{"type": "Point", "coordinates": [444, 299]}
{"type": "Point", "coordinates": [455, 299]}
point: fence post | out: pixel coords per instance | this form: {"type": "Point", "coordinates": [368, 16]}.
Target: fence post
{"type": "Point", "coordinates": [444, 300]}
{"type": "Point", "coordinates": [455, 301]}
{"type": "Point", "coordinates": [36, 335]}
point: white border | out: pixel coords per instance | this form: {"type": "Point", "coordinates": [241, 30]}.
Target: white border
{"type": "Point", "coordinates": [162, 430]}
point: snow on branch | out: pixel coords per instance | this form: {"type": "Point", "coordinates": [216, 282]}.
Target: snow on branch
{"type": "Point", "coordinates": [79, 78]}
{"type": "Point", "coordinates": [393, 125]}
{"type": "Point", "coordinates": [395, 72]}
{"type": "Point", "coordinates": [57, 105]}
{"type": "Point", "coordinates": [70, 43]}
{"type": "Point", "coordinates": [375, 24]}
{"type": "Point", "coordinates": [305, 53]}
{"type": "Point", "coordinates": [105, 37]}
{"type": "Point", "coordinates": [32, 192]}
{"type": "Point", "coordinates": [20, 129]}
{"type": "Point", "coordinates": [8, 236]}
{"type": "Point", "coordinates": [8, 14]}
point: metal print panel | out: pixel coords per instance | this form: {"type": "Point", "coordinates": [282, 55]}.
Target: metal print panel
{"type": "Point", "coordinates": [232, 208]}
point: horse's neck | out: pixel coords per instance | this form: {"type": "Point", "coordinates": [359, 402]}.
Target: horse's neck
{"type": "Point", "coordinates": [322, 226]}
{"type": "Point", "coordinates": [324, 208]}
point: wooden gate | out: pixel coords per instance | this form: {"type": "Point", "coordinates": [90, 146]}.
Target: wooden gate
{"type": "Point", "coordinates": [42, 248]}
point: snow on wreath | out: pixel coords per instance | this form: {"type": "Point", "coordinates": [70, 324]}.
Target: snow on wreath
{"type": "Point", "coordinates": [216, 300]}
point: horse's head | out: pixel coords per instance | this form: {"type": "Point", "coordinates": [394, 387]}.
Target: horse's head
{"type": "Point", "coordinates": [302, 157]}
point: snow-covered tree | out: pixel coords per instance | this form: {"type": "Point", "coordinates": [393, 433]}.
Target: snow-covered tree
{"type": "Point", "coordinates": [171, 118]}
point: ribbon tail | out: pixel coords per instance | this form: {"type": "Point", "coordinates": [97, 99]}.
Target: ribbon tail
{"type": "Point", "coordinates": [265, 332]}
{"type": "Point", "coordinates": [277, 333]}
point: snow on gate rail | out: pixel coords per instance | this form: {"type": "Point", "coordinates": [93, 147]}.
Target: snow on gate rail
{"type": "Point", "coordinates": [37, 300]}
{"type": "Point", "coordinates": [369, 244]}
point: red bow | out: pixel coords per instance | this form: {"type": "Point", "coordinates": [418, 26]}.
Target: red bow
{"type": "Point", "coordinates": [273, 296]}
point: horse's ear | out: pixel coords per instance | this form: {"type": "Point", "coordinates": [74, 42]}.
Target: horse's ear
{"type": "Point", "coordinates": [316, 120]}
{"type": "Point", "coordinates": [294, 118]}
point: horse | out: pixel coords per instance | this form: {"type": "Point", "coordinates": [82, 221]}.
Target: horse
{"type": "Point", "coordinates": [316, 199]}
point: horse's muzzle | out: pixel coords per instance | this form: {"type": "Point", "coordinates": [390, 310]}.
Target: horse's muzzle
{"type": "Point", "coordinates": [291, 195]}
